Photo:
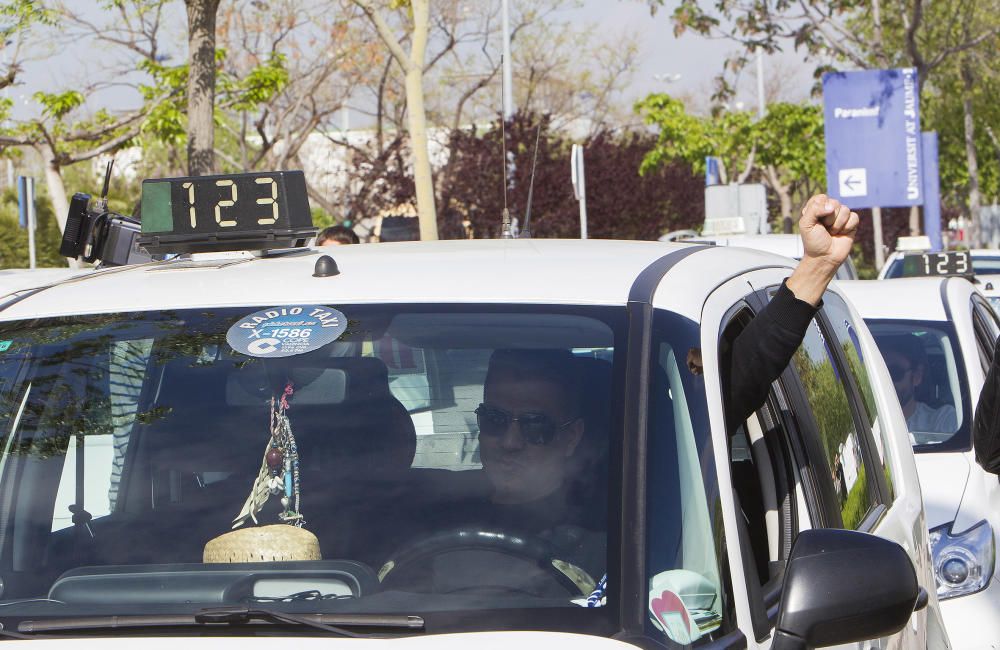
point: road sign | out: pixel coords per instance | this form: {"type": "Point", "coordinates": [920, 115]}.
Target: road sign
{"type": "Point", "coordinates": [873, 146]}
{"type": "Point", "coordinates": [932, 189]}
{"type": "Point", "coordinates": [579, 186]}
{"type": "Point", "coordinates": [853, 182]}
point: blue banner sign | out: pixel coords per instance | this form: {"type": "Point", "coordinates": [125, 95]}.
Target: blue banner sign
{"type": "Point", "coordinates": [932, 189]}
{"type": "Point", "coordinates": [713, 175]}
{"type": "Point", "coordinates": [872, 126]}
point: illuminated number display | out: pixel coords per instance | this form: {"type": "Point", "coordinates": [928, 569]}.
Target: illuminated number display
{"type": "Point", "coordinates": [948, 263]}
{"type": "Point", "coordinates": [232, 203]}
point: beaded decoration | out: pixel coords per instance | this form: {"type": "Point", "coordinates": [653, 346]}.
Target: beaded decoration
{"type": "Point", "coordinates": [279, 471]}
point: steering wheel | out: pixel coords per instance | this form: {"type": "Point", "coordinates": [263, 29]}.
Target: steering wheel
{"type": "Point", "coordinates": [573, 581]}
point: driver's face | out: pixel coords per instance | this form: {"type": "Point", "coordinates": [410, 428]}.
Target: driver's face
{"type": "Point", "coordinates": [519, 470]}
{"type": "Point", "coordinates": [905, 376]}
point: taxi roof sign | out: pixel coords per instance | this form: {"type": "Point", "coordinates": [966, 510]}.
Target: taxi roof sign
{"type": "Point", "coordinates": [914, 243]}
{"type": "Point", "coordinates": [253, 211]}
{"type": "Point", "coordinates": [950, 263]}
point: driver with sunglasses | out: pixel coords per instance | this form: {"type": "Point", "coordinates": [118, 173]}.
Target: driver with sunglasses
{"type": "Point", "coordinates": [531, 422]}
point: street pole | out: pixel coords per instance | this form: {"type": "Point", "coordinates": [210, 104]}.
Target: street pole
{"type": "Point", "coordinates": [877, 227]}
{"type": "Point", "coordinates": [579, 186]}
{"type": "Point", "coordinates": [29, 211]}
{"type": "Point", "coordinates": [508, 77]}
{"type": "Point", "coordinates": [760, 83]}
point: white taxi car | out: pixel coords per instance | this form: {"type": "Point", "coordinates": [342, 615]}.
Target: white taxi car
{"type": "Point", "coordinates": [329, 406]}
{"type": "Point", "coordinates": [777, 243]}
{"type": "Point", "coordinates": [937, 336]}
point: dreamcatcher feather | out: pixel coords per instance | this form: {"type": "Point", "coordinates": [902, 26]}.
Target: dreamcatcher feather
{"type": "Point", "coordinates": [279, 470]}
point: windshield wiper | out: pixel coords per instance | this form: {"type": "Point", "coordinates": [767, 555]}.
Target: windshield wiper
{"type": "Point", "coordinates": [233, 615]}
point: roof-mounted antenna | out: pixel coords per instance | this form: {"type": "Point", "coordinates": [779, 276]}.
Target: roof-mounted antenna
{"type": "Point", "coordinates": [506, 231]}
{"type": "Point", "coordinates": [102, 203]}
{"type": "Point", "coordinates": [526, 231]}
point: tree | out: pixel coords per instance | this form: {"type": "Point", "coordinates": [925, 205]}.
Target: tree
{"type": "Point", "coordinates": [412, 64]}
{"type": "Point", "coordinates": [17, 17]}
{"type": "Point", "coordinates": [63, 133]}
{"type": "Point", "coordinates": [622, 204]}
{"type": "Point", "coordinates": [784, 150]}
{"type": "Point", "coordinates": [324, 57]}
{"type": "Point", "coordinates": [927, 36]}
{"type": "Point", "coordinates": [201, 15]}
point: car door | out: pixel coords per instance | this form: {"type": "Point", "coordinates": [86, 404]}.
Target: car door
{"type": "Point", "coordinates": [779, 449]}
{"type": "Point", "coordinates": [885, 452]}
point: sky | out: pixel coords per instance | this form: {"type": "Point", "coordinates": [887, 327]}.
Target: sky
{"type": "Point", "coordinates": [684, 66]}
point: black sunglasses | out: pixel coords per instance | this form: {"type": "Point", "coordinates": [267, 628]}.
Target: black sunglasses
{"type": "Point", "coordinates": [536, 428]}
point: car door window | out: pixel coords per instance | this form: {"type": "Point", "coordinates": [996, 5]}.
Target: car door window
{"type": "Point", "coordinates": [687, 599]}
{"type": "Point", "coordinates": [839, 439]}
{"type": "Point", "coordinates": [846, 333]}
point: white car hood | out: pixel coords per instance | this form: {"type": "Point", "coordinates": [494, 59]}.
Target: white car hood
{"type": "Point", "coordinates": [943, 478]}
{"type": "Point", "coordinates": [478, 640]}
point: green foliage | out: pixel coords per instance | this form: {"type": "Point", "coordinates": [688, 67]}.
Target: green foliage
{"type": "Point", "coordinates": [689, 138]}
{"type": "Point", "coordinates": [788, 139]}
{"type": "Point", "coordinates": [321, 219]}
{"type": "Point", "coordinates": [18, 15]}
{"type": "Point", "coordinates": [14, 239]}
{"type": "Point", "coordinates": [58, 105]}
{"type": "Point", "coordinates": [828, 400]}
{"type": "Point", "coordinates": [855, 508]}
{"type": "Point", "coordinates": [260, 85]}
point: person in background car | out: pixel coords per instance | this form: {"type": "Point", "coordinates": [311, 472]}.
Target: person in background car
{"type": "Point", "coordinates": [336, 236]}
{"type": "Point", "coordinates": [906, 359]}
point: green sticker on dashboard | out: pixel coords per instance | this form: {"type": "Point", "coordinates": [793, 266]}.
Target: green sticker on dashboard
{"type": "Point", "coordinates": [156, 211]}
{"type": "Point", "coordinates": [5, 345]}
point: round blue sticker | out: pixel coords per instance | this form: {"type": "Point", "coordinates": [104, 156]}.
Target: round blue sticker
{"type": "Point", "coordinates": [286, 331]}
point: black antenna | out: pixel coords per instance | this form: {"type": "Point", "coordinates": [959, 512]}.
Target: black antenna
{"type": "Point", "coordinates": [506, 231]}
{"type": "Point", "coordinates": [526, 231]}
{"type": "Point", "coordinates": [102, 203]}
{"type": "Point", "coordinates": [107, 179]}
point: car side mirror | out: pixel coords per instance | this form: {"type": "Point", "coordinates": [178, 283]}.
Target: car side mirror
{"type": "Point", "coordinates": [843, 586]}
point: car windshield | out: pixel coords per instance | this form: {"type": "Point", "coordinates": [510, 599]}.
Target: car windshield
{"type": "Point", "coordinates": [995, 303]}
{"type": "Point", "coordinates": [439, 459]}
{"type": "Point", "coordinates": [927, 371]}
{"type": "Point", "coordinates": [986, 264]}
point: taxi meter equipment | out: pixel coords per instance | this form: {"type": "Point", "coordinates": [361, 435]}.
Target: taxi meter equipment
{"type": "Point", "coordinates": [930, 264]}
{"type": "Point", "coordinates": [255, 211]}
{"type": "Point", "coordinates": [94, 233]}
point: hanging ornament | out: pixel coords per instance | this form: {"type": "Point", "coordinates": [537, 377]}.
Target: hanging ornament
{"type": "Point", "coordinates": [279, 470]}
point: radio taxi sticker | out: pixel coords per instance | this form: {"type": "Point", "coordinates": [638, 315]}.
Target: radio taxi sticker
{"type": "Point", "coordinates": [286, 331]}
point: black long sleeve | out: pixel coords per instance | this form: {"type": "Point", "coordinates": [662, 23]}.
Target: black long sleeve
{"type": "Point", "coordinates": [761, 352]}
{"type": "Point", "coordinates": [986, 426]}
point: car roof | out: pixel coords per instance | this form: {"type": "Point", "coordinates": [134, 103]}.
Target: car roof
{"type": "Point", "coordinates": [905, 298]}
{"type": "Point", "coordinates": [778, 243]}
{"type": "Point", "coordinates": [989, 285]}
{"type": "Point", "coordinates": [486, 271]}
{"type": "Point", "coordinates": [18, 279]}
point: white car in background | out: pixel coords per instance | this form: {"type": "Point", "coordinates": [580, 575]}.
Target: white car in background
{"type": "Point", "coordinates": [777, 243]}
{"type": "Point", "coordinates": [948, 322]}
